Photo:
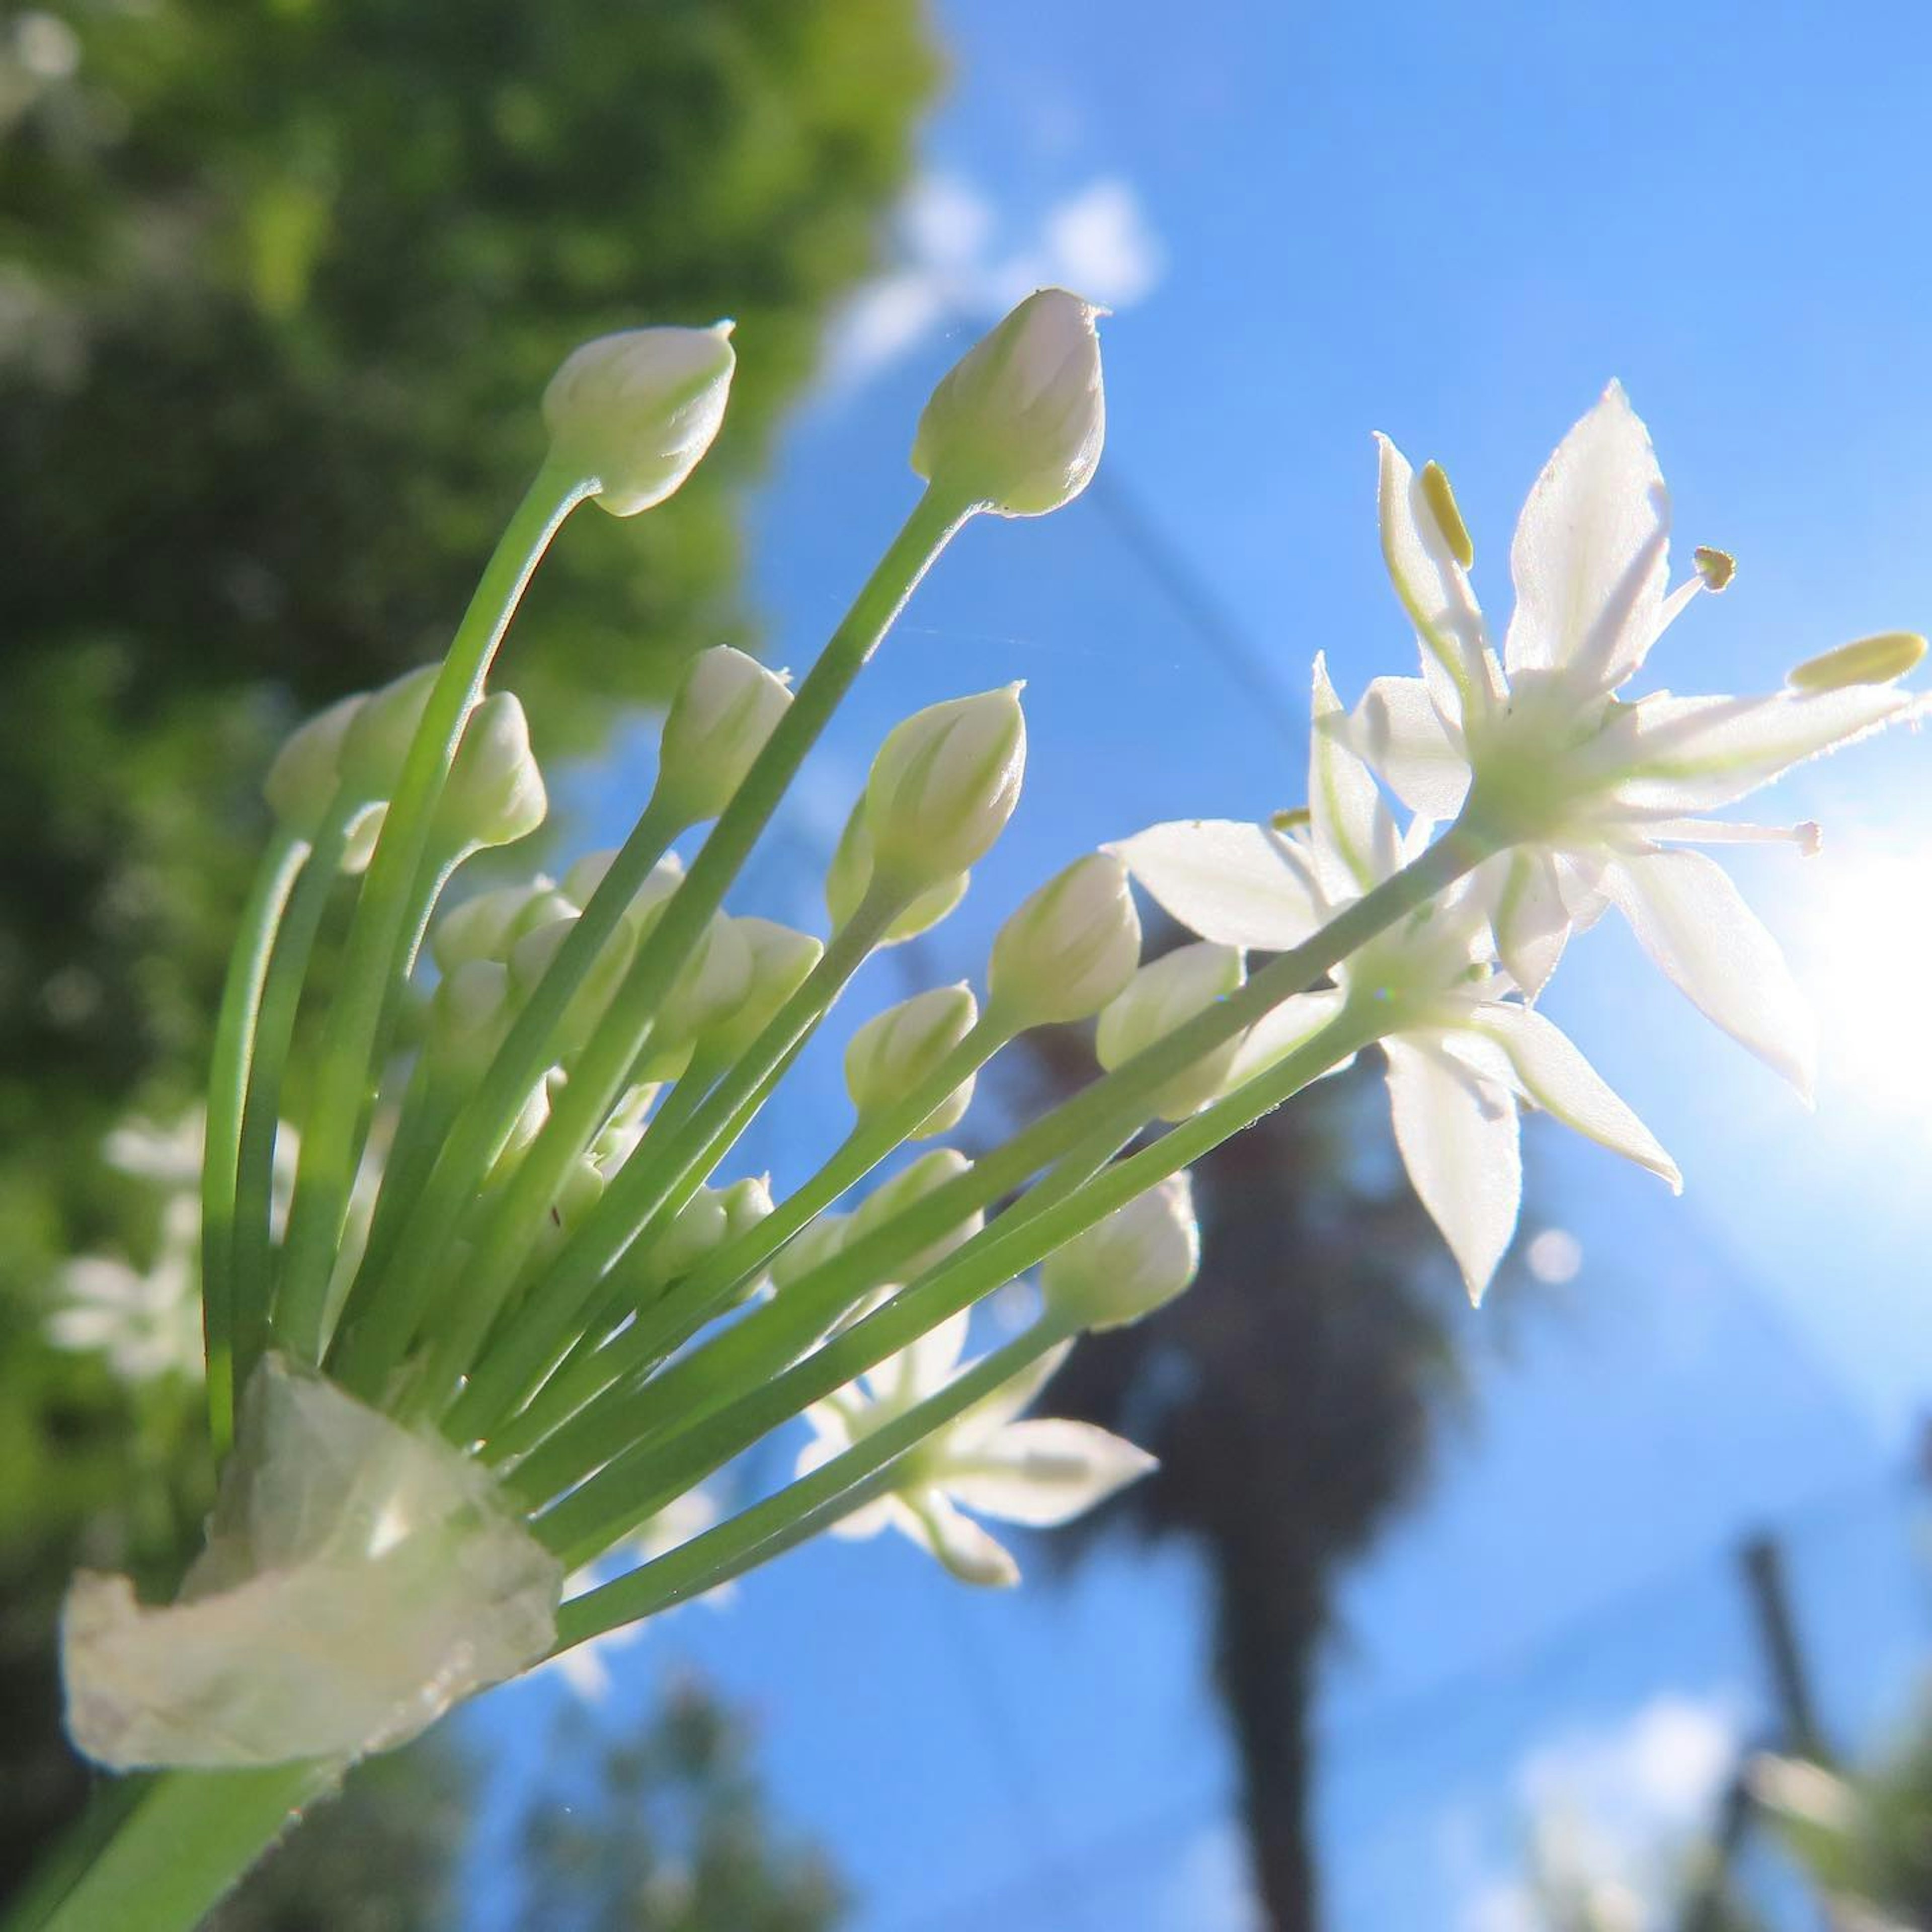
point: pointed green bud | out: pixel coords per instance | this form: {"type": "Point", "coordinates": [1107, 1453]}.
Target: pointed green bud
{"type": "Point", "coordinates": [1070, 948]}
{"type": "Point", "coordinates": [850, 874]}
{"type": "Point", "coordinates": [698, 1227]}
{"type": "Point", "coordinates": [1017, 424]}
{"type": "Point", "coordinates": [781, 961]}
{"type": "Point", "coordinates": [910, 1185]}
{"type": "Point", "coordinates": [818, 1242]}
{"type": "Point", "coordinates": [495, 794]}
{"type": "Point", "coordinates": [380, 735]}
{"type": "Point", "coordinates": [727, 706]}
{"type": "Point", "coordinates": [1164, 994]}
{"type": "Point", "coordinates": [486, 926]}
{"type": "Point", "coordinates": [581, 881]}
{"type": "Point", "coordinates": [897, 1051]}
{"type": "Point", "coordinates": [529, 960]}
{"type": "Point", "coordinates": [1139, 1258]}
{"type": "Point", "coordinates": [943, 785]}
{"type": "Point", "coordinates": [1879, 660]}
{"type": "Point", "coordinates": [634, 412]}
{"type": "Point", "coordinates": [469, 1013]}
{"type": "Point", "coordinates": [302, 781]}
{"type": "Point", "coordinates": [715, 981]}
{"type": "Point", "coordinates": [746, 1203]}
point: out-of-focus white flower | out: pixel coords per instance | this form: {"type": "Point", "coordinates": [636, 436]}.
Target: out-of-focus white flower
{"type": "Point", "coordinates": [635, 412]}
{"type": "Point", "coordinates": [1599, 797]}
{"type": "Point", "coordinates": [1037, 1472]}
{"type": "Point", "coordinates": [1017, 424]}
{"type": "Point", "coordinates": [1464, 1055]}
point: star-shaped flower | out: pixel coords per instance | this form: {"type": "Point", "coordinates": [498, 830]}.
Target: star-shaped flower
{"type": "Point", "coordinates": [1597, 798]}
{"type": "Point", "coordinates": [1464, 1054]}
{"type": "Point", "coordinates": [1036, 1472]}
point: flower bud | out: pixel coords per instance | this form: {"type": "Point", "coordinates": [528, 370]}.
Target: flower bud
{"type": "Point", "coordinates": [495, 794]}
{"type": "Point", "coordinates": [714, 984]}
{"type": "Point", "coordinates": [911, 1184]}
{"type": "Point", "coordinates": [1120, 1269]}
{"type": "Point", "coordinates": [1164, 994]}
{"type": "Point", "coordinates": [943, 785]}
{"type": "Point", "coordinates": [378, 736]}
{"type": "Point", "coordinates": [1017, 422]}
{"type": "Point", "coordinates": [896, 1051]}
{"type": "Point", "coordinates": [486, 926]}
{"type": "Point", "coordinates": [301, 782]}
{"type": "Point", "coordinates": [817, 1242]}
{"type": "Point", "coordinates": [699, 1226]}
{"type": "Point", "coordinates": [781, 961]}
{"type": "Point", "coordinates": [581, 1189]}
{"type": "Point", "coordinates": [635, 412]}
{"type": "Point", "coordinates": [746, 1203]}
{"type": "Point", "coordinates": [850, 875]}
{"type": "Point", "coordinates": [530, 957]}
{"type": "Point", "coordinates": [726, 707]}
{"type": "Point", "coordinates": [1070, 948]}
{"type": "Point", "coordinates": [1879, 660]}
{"type": "Point", "coordinates": [581, 882]}
{"type": "Point", "coordinates": [469, 1012]}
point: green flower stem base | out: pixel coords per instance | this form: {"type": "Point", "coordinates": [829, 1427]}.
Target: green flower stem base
{"type": "Point", "coordinates": [228, 1080]}
{"type": "Point", "coordinates": [184, 1842]}
{"type": "Point", "coordinates": [381, 936]}
{"type": "Point", "coordinates": [800, 1510]}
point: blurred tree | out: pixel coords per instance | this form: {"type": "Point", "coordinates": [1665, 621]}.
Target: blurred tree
{"type": "Point", "coordinates": [1291, 1396]}
{"type": "Point", "coordinates": [280, 285]}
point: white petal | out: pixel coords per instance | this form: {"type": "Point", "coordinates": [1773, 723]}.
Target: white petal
{"type": "Point", "coordinates": [1693, 921]}
{"type": "Point", "coordinates": [1398, 730]}
{"type": "Point", "coordinates": [969, 1551]}
{"type": "Point", "coordinates": [1353, 838]}
{"type": "Point", "coordinates": [1233, 883]}
{"type": "Point", "coordinates": [922, 1366]}
{"type": "Point", "coordinates": [1280, 1031]}
{"type": "Point", "coordinates": [1694, 754]}
{"type": "Point", "coordinates": [1007, 1401]}
{"type": "Point", "coordinates": [1459, 1141]}
{"type": "Point", "coordinates": [1044, 1472]}
{"type": "Point", "coordinates": [1431, 583]}
{"type": "Point", "coordinates": [1527, 913]}
{"type": "Point", "coordinates": [1590, 553]}
{"type": "Point", "coordinates": [1555, 1076]}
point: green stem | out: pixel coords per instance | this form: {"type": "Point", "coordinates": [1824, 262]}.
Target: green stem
{"type": "Point", "coordinates": [391, 1296]}
{"type": "Point", "coordinates": [234, 1034]}
{"type": "Point", "coordinates": [380, 936]}
{"type": "Point", "coordinates": [717, 1282]}
{"type": "Point", "coordinates": [188, 1840]}
{"type": "Point", "coordinates": [800, 1510]}
{"type": "Point", "coordinates": [644, 1190]}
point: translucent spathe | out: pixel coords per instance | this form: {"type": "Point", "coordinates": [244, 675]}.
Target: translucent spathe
{"type": "Point", "coordinates": [358, 1580]}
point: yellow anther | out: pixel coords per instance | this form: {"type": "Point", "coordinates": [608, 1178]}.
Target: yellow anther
{"type": "Point", "coordinates": [1716, 567]}
{"type": "Point", "coordinates": [1290, 820]}
{"type": "Point", "coordinates": [1870, 661]}
{"type": "Point", "coordinates": [1441, 501]}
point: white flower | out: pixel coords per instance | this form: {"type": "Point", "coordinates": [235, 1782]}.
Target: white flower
{"type": "Point", "coordinates": [1599, 796]}
{"type": "Point", "coordinates": [1036, 1472]}
{"type": "Point", "coordinates": [1464, 1056]}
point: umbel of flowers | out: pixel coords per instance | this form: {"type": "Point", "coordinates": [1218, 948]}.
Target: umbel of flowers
{"type": "Point", "coordinates": [521, 1302]}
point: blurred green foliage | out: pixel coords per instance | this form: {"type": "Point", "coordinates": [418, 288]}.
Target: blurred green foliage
{"type": "Point", "coordinates": [280, 284]}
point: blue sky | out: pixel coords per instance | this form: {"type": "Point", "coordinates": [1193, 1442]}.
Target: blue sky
{"type": "Point", "coordinates": [1454, 225]}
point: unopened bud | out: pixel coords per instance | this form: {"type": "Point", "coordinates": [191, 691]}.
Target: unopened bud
{"type": "Point", "coordinates": [495, 795]}
{"type": "Point", "coordinates": [849, 876]}
{"type": "Point", "coordinates": [1069, 949]}
{"type": "Point", "coordinates": [746, 1203]}
{"type": "Point", "coordinates": [1120, 1269]}
{"type": "Point", "coordinates": [301, 782]}
{"type": "Point", "coordinates": [910, 1185]}
{"type": "Point", "coordinates": [581, 882]}
{"type": "Point", "coordinates": [635, 412]}
{"type": "Point", "coordinates": [581, 1189]}
{"type": "Point", "coordinates": [896, 1052]}
{"type": "Point", "coordinates": [378, 736]}
{"type": "Point", "coordinates": [485, 927]}
{"type": "Point", "coordinates": [468, 1013]}
{"type": "Point", "coordinates": [699, 1226]}
{"type": "Point", "coordinates": [1164, 994]}
{"type": "Point", "coordinates": [1017, 424]}
{"type": "Point", "coordinates": [781, 961]}
{"type": "Point", "coordinates": [530, 958]}
{"type": "Point", "coordinates": [943, 785]}
{"type": "Point", "coordinates": [714, 984]}
{"type": "Point", "coordinates": [726, 707]}
{"type": "Point", "coordinates": [1879, 660]}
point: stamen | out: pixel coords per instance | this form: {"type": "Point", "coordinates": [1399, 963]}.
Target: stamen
{"type": "Point", "coordinates": [1878, 660]}
{"type": "Point", "coordinates": [1442, 501]}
